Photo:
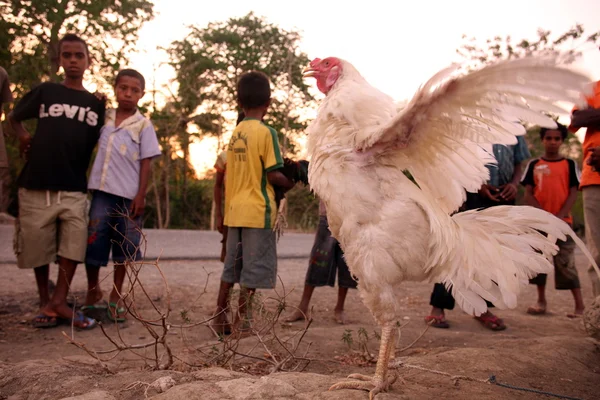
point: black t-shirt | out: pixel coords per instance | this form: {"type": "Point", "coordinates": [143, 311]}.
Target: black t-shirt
{"type": "Point", "coordinates": [68, 129]}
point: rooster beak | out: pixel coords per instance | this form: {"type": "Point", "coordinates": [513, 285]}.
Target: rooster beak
{"type": "Point", "coordinates": [307, 72]}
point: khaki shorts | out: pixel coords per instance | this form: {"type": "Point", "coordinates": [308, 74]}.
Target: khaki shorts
{"type": "Point", "coordinates": [50, 224]}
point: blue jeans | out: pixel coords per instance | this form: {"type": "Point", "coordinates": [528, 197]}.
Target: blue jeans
{"type": "Point", "coordinates": [111, 228]}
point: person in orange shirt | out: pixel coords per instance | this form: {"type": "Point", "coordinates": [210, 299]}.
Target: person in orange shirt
{"type": "Point", "coordinates": [590, 179]}
{"type": "Point", "coordinates": [551, 184]}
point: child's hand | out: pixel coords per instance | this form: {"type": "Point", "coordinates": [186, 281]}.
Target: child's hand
{"type": "Point", "coordinates": [594, 159]}
{"type": "Point", "coordinates": [24, 145]}
{"type": "Point", "coordinates": [489, 192]}
{"type": "Point", "coordinates": [508, 192]}
{"type": "Point", "coordinates": [137, 205]}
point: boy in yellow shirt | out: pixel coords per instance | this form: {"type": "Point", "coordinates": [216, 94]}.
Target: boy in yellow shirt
{"type": "Point", "coordinates": [253, 163]}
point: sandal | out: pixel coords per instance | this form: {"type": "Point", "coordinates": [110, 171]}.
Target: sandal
{"type": "Point", "coordinates": [491, 322]}
{"type": "Point", "coordinates": [44, 321]}
{"type": "Point", "coordinates": [83, 323]}
{"type": "Point", "coordinates": [437, 321]}
{"type": "Point", "coordinates": [118, 315]}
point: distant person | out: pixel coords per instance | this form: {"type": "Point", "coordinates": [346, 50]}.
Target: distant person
{"type": "Point", "coordinates": [551, 184]}
{"type": "Point", "coordinates": [118, 183]}
{"type": "Point", "coordinates": [5, 97]}
{"type": "Point", "coordinates": [501, 189]}
{"type": "Point", "coordinates": [253, 163]}
{"type": "Point", "coordinates": [590, 180]}
{"type": "Point", "coordinates": [52, 221]}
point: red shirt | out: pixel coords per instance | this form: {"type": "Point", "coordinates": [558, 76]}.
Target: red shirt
{"type": "Point", "coordinates": [552, 181]}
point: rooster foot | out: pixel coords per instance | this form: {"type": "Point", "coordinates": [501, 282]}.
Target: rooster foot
{"type": "Point", "coordinates": [372, 384]}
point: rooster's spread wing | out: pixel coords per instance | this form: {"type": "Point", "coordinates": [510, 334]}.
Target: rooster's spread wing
{"type": "Point", "coordinates": [448, 121]}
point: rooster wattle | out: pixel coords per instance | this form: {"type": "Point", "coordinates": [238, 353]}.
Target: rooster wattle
{"type": "Point", "coordinates": [392, 230]}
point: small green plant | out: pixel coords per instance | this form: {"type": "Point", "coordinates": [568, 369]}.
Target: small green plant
{"type": "Point", "coordinates": [347, 338]}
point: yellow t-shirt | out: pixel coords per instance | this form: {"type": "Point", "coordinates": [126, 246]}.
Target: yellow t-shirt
{"type": "Point", "coordinates": [249, 197]}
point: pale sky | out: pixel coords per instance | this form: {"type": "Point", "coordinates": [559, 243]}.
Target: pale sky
{"type": "Point", "coordinates": [396, 47]}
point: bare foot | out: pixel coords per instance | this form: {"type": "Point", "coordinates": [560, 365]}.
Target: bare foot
{"type": "Point", "coordinates": [59, 310]}
{"type": "Point", "coordinates": [93, 296]}
{"type": "Point", "coordinates": [295, 316]}
{"type": "Point", "coordinates": [577, 314]}
{"type": "Point", "coordinates": [538, 309]}
{"type": "Point", "coordinates": [340, 317]}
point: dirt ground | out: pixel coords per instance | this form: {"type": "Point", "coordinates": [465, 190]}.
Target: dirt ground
{"type": "Point", "coordinates": [549, 353]}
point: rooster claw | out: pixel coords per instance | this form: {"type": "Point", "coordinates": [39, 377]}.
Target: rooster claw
{"type": "Point", "coordinates": [372, 384]}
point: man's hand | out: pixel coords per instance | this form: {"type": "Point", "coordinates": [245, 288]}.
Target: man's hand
{"type": "Point", "coordinates": [508, 192]}
{"type": "Point", "coordinates": [489, 192]}
{"type": "Point", "coordinates": [594, 159]}
{"type": "Point", "coordinates": [137, 205]}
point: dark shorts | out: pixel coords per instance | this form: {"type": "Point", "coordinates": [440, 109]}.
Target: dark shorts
{"type": "Point", "coordinates": [251, 258]}
{"type": "Point", "coordinates": [325, 258]}
{"type": "Point", "coordinates": [109, 229]}
{"type": "Point", "coordinates": [565, 273]}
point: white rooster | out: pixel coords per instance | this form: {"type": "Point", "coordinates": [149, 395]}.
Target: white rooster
{"type": "Point", "coordinates": [392, 230]}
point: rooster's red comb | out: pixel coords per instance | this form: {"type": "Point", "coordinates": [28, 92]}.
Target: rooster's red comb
{"type": "Point", "coordinates": [315, 62]}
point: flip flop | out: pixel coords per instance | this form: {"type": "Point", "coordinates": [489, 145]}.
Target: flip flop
{"type": "Point", "coordinates": [118, 312]}
{"type": "Point", "coordinates": [492, 322]}
{"type": "Point", "coordinates": [98, 306]}
{"type": "Point", "coordinates": [437, 321]}
{"type": "Point", "coordinates": [83, 323]}
{"type": "Point", "coordinates": [45, 321]}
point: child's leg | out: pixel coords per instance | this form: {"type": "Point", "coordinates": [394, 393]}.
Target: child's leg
{"type": "Point", "coordinates": [540, 307]}
{"type": "Point", "coordinates": [321, 268]}
{"type": "Point", "coordinates": [232, 267]}
{"type": "Point", "coordinates": [244, 306]}
{"type": "Point", "coordinates": [42, 280]}
{"type": "Point", "coordinates": [72, 239]}
{"type": "Point", "coordinates": [94, 293]}
{"type": "Point", "coordinates": [345, 281]}
{"type": "Point", "coordinates": [99, 234]}
{"type": "Point", "coordinates": [566, 276]}
{"type": "Point", "coordinates": [119, 278]}
{"type": "Point", "coordinates": [340, 318]}
{"type": "Point", "coordinates": [302, 310]}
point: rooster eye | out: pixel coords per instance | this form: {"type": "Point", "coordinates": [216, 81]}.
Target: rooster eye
{"type": "Point", "coordinates": [326, 63]}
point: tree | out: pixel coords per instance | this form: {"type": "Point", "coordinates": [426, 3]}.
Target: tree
{"type": "Point", "coordinates": [31, 30]}
{"type": "Point", "coordinates": [209, 61]}
{"type": "Point", "coordinates": [569, 44]}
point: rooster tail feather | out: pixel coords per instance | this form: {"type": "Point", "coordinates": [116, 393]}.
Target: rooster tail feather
{"type": "Point", "coordinates": [501, 248]}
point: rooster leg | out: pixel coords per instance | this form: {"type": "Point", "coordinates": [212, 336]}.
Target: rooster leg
{"type": "Point", "coordinates": [380, 382]}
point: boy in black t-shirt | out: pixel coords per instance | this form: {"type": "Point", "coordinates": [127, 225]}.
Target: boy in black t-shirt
{"type": "Point", "coordinates": [52, 221]}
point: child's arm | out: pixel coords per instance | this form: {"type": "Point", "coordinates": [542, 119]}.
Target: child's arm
{"type": "Point", "coordinates": [276, 178]}
{"type": "Point", "coordinates": [218, 196]}
{"type": "Point", "coordinates": [566, 208]}
{"type": "Point", "coordinates": [22, 134]}
{"type": "Point", "coordinates": [588, 118]}
{"type": "Point", "coordinates": [139, 201]}
{"type": "Point", "coordinates": [530, 199]}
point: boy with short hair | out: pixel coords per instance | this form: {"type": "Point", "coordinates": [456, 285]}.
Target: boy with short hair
{"type": "Point", "coordinates": [253, 160]}
{"type": "Point", "coordinates": [118, 181]}
{"type": "Point", "coordinates": [551, 184]}
{"type": "Point", "coordinates": [52, 221]}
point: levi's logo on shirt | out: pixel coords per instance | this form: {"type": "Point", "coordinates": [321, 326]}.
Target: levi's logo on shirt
{"type": "Point", "coordinates": [82, 114]}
